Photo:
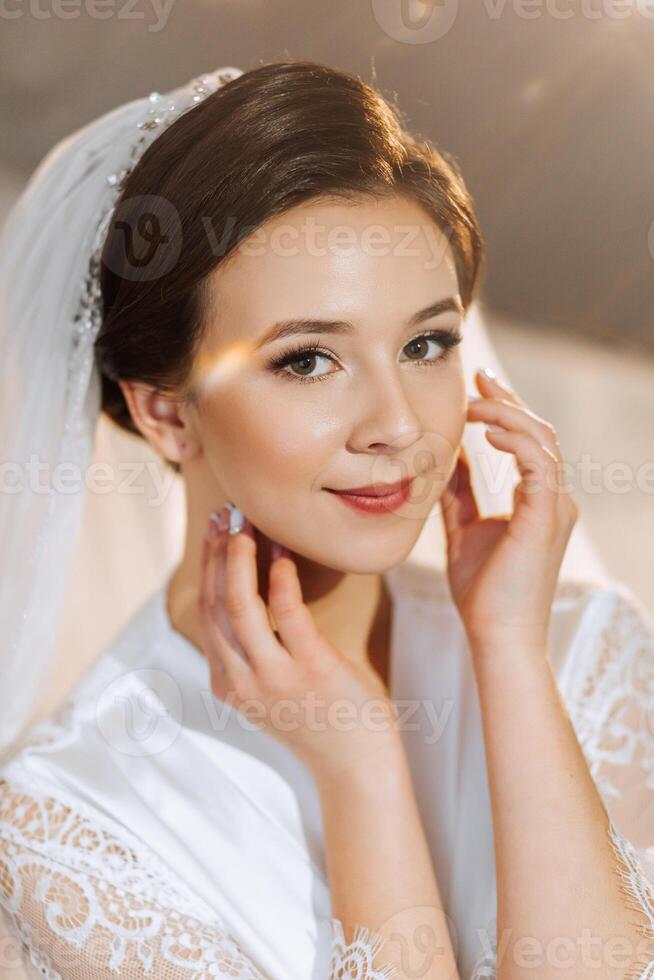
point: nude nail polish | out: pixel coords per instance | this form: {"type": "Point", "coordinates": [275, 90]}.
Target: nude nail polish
{"type": "Point", "coordinates": [236, 518]}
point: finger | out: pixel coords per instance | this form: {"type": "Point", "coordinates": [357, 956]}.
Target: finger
{"type": "Point", "coordinates": [246, 611]}
{"type": "Point", "coordinates": [210, 634]}
{"type": "Point", "coordinates": [494, 387]}
{"type": "Point", "coordinates": [295, 624]}
{"type": "Point", "coordinates": [234, 657]}
{"type": "Point", "coordinates": [538, 468]}
{"type": "Point", "coordinates": [458, 503]}
{"type": "Point", "coordinates": [502, 411]}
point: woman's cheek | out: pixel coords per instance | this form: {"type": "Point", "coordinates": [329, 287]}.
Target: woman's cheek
{"type": "Point", "coordinates": [272, 438]}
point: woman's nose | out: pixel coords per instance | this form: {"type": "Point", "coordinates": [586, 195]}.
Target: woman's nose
{"type": "Point", "coordinates": [386, 420]}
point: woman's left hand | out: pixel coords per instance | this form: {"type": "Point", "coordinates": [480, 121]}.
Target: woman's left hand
{"type": "Point", "coordinates": [503, 571]}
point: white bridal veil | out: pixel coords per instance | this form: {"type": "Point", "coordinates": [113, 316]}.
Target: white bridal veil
{"type": "Point", "coordinates": [63, 547]}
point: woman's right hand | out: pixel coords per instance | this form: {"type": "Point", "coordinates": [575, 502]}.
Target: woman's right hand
{"type": "Point", "coordinates": [331, 713]}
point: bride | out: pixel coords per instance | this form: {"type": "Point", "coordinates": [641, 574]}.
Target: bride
{"type": "Point", "coordinates": [306, 755]}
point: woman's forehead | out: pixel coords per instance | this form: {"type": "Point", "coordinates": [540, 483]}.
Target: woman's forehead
{"type": "Point", "coordinates": [350, 277]}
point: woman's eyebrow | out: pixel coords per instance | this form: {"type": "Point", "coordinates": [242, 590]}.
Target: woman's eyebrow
{"type": "Point", "coordinates": [289, 328]}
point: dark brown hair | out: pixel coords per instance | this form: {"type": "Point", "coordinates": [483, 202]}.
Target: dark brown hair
{"type": "Point", "coordinates": [270, 139]}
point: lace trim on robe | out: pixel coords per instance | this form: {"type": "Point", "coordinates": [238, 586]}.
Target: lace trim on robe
{"type": "Point", "coordinates": [84, 902]}
{"type": "Point", "coordinates": [614, 697]}
{"type": "Point", "coordinates": [613, 691]}
{"type": "Point", "coordinates": [639, 897]}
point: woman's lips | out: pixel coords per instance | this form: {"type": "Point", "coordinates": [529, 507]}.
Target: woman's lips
{"type": "Point", "coordinates": [379, 503]}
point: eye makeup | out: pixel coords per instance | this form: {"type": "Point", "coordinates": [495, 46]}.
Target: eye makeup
{"type": "Point", "coordinates": [448, 339]}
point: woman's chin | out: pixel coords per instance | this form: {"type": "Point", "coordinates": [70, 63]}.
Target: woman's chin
{"type": "Point", "coordinates": [360, 560]}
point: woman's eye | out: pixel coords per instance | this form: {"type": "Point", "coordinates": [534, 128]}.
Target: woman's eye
{"type": "Point", "coordinates": [419, 348]}
{"type": "Point", "coordinates": [300, 364]}
{"type": "Point", "coordinates": [305, 362]}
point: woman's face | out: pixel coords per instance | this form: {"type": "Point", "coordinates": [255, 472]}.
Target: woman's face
{"type": "Point", "coordinates": [379, 402]}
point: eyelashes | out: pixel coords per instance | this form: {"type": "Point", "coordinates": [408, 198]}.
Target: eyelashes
{"type": "Point", "coordinates": [447, 339]}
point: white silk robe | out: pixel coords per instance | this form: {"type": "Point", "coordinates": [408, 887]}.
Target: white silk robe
{"type": "Point", "coordinates": [147, 829]}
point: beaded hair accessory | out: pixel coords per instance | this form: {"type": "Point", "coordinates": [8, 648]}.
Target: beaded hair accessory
{"type": "Point", "coordinates": [160, 115]}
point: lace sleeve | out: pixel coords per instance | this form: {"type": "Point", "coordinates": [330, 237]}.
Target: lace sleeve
{"type": "Point", "coordinates": [485, 967]}
{"type": "Point", "coordinates": [612, 708]}
{"type": "Point", "coordinates": [85, 904]}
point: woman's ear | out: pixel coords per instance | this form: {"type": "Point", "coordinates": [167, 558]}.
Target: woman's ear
{"type": "Point", "coordinates": [161, 420]}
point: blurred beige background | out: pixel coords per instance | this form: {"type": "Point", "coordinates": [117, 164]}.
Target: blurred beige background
{"type": "Point", "coordinates": [550, 120]}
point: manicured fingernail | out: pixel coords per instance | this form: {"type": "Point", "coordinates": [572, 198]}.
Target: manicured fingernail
{"type": "Point", "coordinates": [276, 550]}
{"type": "Point", "coordinates": [489, 373]}
{"type": "Point", "coordinates": [474, 398]}
{"type": "Point", "coordinates": [236, 518]}
{"type": "Point", "coordinates": [212, 527]}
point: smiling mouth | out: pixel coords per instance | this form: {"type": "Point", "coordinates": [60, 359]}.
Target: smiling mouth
{"type": "Point", "coordinates": [378, 500]}
{"type": "Point", "coordinates": [376, 490]}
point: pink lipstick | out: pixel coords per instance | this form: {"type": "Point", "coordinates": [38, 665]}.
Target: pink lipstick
{"type": "Point", "coordinates": [378, 498]}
